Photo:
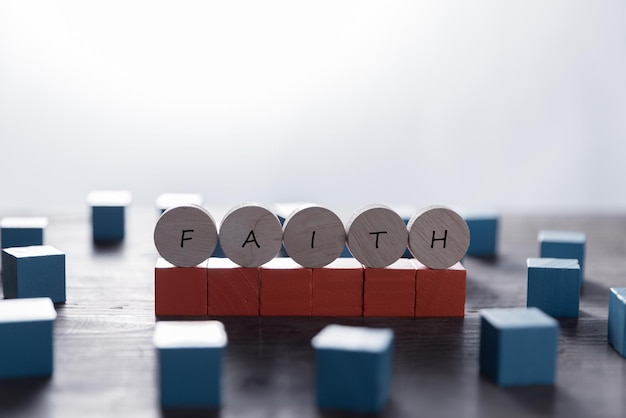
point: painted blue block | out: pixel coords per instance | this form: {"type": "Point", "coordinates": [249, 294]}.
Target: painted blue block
{"type": "Point", "coordinates": [518, 346]}
{"type": "Point", "coordinates": [617, 320]}
{"type": "Point", "coordinates": [564, 244]}
{"type": "Point", "coordinates": [31, 272]}
{"type": "Point", "coordinates": [108, 214]}
{"type": "Point", "coordinates": [353, 368]}
{"type": "Point", "coordinates": [190, 358]}
{"type": "Point", "coordinates": [108, 223]}
{"type": "Point", "coordinates": [554, 286]}
{"type": "Point", "coordinates": [26, 327]}
{"type": "Point", "coordinates": [483, 235]}
{"type": "Point", "coordinates": [22, 232]}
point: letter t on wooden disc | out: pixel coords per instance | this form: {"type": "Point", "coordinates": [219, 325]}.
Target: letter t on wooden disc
{"type": "Point", "coordinates": [377, 236]}
{"type": "Point", "coordinates": [314, 236]}
{"type": "Point", "coordinates": [185, 235]}
{"type": "Point", "coordinates": [250, 235]}
{"type": "Point", "coordinates": [438, 237]}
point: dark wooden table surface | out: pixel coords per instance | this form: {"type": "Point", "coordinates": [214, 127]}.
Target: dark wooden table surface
{"type": "Point", "coordinates": [105, 363]}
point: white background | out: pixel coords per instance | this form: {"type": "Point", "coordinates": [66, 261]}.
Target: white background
{"type": "Point", "coordinates": [515, 105]}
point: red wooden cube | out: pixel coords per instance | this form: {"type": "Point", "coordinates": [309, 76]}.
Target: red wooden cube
{"type": "Point", "coordinates": [232, 290]}
{"type": "Point", "coordinates": [338, 289]}
{"type": "Point", "coordinates": [285, 288]}
{"type": "Point", "coordinates": [180, 291]}
{"type": "Point", "coordinates": [440, 293]}
{"type": "Point", "coordinates": [390, 291]}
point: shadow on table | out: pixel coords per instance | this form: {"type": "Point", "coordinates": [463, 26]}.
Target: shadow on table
{"type": "Point", "coordinates": [16, 394]}
{"type": "Point", "coordinates": [190, 413]}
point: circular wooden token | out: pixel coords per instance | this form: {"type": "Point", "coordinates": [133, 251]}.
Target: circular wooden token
{"type": "Point", "coordinates": [185, 235]}
{"type": "Point", "coordinates": [313, 236]}
{"type": "Point", "coordinates": [438, 237]}
{"type": "Point", "coordinates": [377, 236]}
{"type": "Point", "coordinates": [250, 235]}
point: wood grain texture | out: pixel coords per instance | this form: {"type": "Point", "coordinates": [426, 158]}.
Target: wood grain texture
{"type": "Point", "coordinates": [180, 291]}
{"type": "Point", "coordinates": [439, 292]}
{"type": "Point", "coordinates": [285, 288]}
{"type": "Point", "coordinates": [390, 291]}
{"type": "Point", "coordinates": [338, 289]}
{"type": "Point", "coordinates": [233, 290]}
{"type": "Point", "coordinates": [377, 236]}
{"type": "Point", "coordinates": [314, 236]}
{"type": "Point", "coordinates": [250, 235]}
{"type": "Point", "coordinates": [105, 362]}
{"type": "Point", "coordinates": [438, 237]}
{"type": "Point", "coordinates": [185, 235]}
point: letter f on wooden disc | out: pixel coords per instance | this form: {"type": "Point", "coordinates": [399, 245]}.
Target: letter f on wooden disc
{"type": "Point", "coordinates": [438, 237]}
{"type": "Point", "coordinates": [250, 235]}
{"type": "Point", "coordinates": [377, 236]}
{"type": "Point", "coordinates": [185, 235]}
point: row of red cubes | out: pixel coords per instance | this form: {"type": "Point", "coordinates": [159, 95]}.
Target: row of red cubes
{"type": "Point", "coordinates": [344, 288]}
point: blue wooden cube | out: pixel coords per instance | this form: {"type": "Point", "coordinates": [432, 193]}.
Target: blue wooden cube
{"type": "Point", "coordinates": [554, 286]}
{"type": "Point", "coordinates": [35, 271]}
{"type": "Point", "coordinates": [108, 215]}
{"type": "Point", "coordinates": [22, 232]}
{"type": "Point", "coordinates": [483, 229]}
{"type": "Point", "coordinates": [190, 357]}
{"type": "Point", "coordinates": [26, 334]}
{"type": "Point", "coordinates": [518, 346]}
{"type": "Point", "coordinates": [617, 319]}
{"type": "Point", "coordinates": [564, 244]}
{"type": "Point", "coordinates": [353, 368]}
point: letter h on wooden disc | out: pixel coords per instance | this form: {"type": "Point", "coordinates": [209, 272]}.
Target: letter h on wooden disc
{"type": "Point", "coordinates": [438, 237]}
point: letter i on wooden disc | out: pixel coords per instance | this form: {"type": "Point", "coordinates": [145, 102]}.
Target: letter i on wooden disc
{"type": "Point", "coordinates": [250, 235]}
{"type": "Point", "coordinates": [185, 235]}
{"type": "Point", "coordinates": [377, 236]}
{"type": "Point", "coordinates": [438, 237]}
{"type": "Point", "coordinates": [313, 236]}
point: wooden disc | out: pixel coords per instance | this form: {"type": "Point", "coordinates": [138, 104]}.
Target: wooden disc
{"type": "Point", "coordinates": [313, 236]}
{"type": "Point", "coordinates": [250, 235]}
{"type": "Point", "coordinates": [438, 237]}
{"type": "Point", "coordinates": [377, 236]}
{"type": "Point", "coordinates": [185, 235]}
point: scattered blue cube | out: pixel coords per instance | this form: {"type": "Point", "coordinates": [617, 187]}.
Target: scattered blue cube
{"type": "Point", "coordinates": [483, 234]}
{"type": "Point", "coordinates": [617, 319]}
{"type": "Point", "coordinates": [22, 232]}
{"type": "Point", "coordinates": [32, 272]}
{"type": "Point", "coordinates": [518, 346]}
{"type": "Point", "coordinates": [108, 215]}
{"type": "Point", "coordinates": [26, 333]}
{"type": "Point", "coordinates": [353, 368]}
{"type": "Point", "coordinates": [564, 244]}
{"type": "Point", "coordinates": [554, 286]}
{"type": "Point", "coordinates": [190, 357]}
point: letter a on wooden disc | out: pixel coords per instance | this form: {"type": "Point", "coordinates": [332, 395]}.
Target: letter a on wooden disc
{"type": "Point", "coordinates": [377, 236]}
{"type": "Point", "coordinates": [314, 236]}
{"type": "Point", "coordinates": [438, 237]}
{"type": "Point", "coordinates": [185, 235]}
{"type": "Point", "coordinates": [250, 235]}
